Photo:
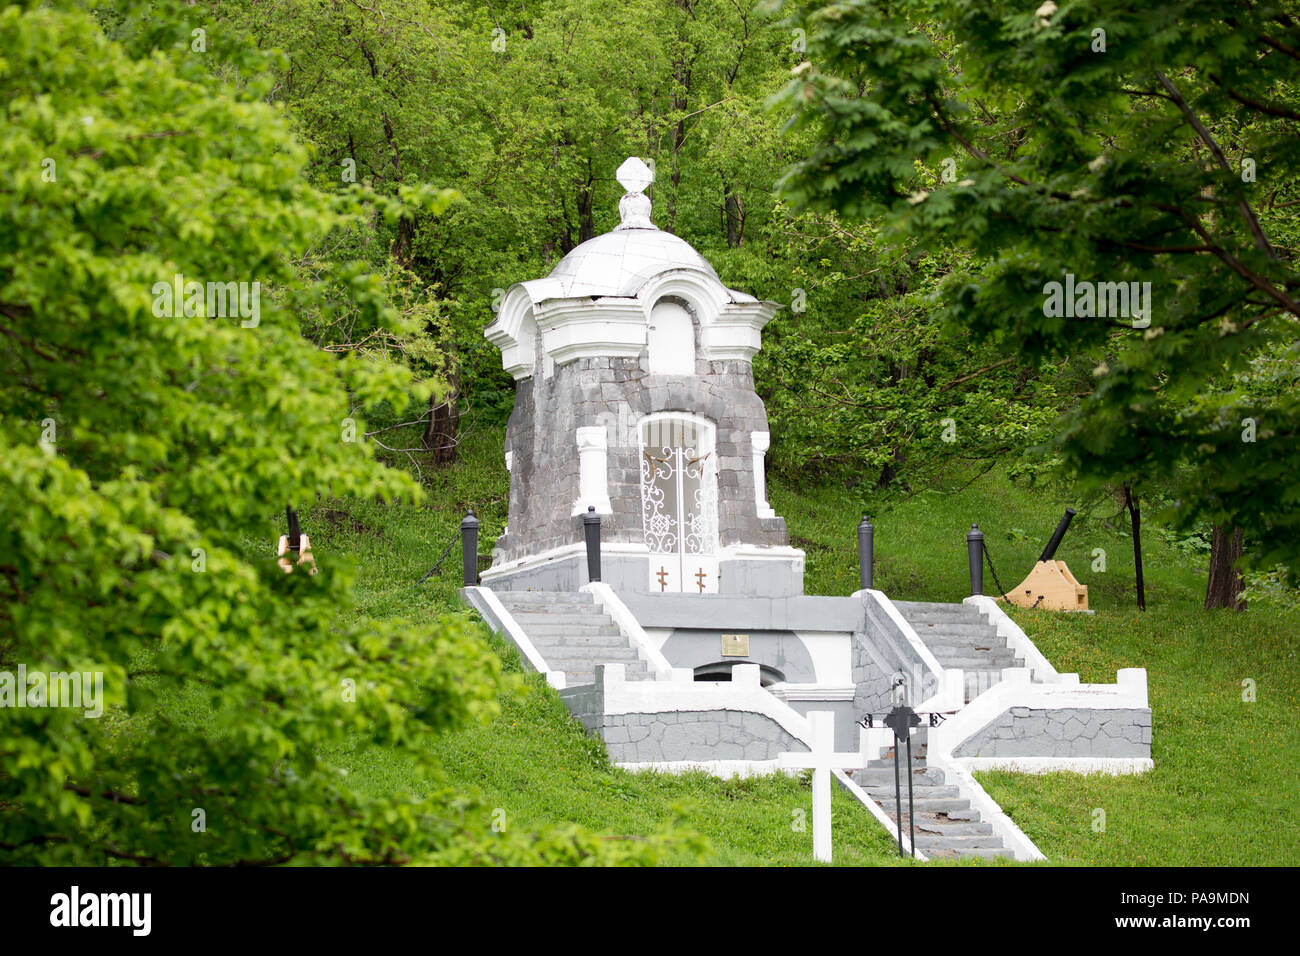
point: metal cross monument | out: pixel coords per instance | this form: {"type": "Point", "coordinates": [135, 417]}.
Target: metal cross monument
{"type": "Point", "coordinates": [821, 760]}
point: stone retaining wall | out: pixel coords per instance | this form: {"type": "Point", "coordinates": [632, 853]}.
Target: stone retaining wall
{"type": "Point", "coordinates": [1067, 732]}
{"type": "Point", "coordinates": [696, 735]}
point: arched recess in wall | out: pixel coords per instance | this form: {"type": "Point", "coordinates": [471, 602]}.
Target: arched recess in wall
{"type": "Point", "coordinates": [528, 342]}
{"type": "Point", "coordinates": [670, 339]}
{"type": "Point", "coordinates": [721, 670]}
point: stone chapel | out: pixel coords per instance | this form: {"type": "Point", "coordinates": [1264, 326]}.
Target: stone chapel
{"type": "Point", "coordinates": [635, 396]}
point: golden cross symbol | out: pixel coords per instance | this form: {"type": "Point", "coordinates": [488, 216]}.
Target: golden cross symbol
{"type": "Point", "coordinates": [699, 577]}
{"type": "Point", "coordinates": [663, 578]}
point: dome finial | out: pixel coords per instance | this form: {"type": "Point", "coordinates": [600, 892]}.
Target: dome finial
{"type": "Point", "coordinates": [634, 208]}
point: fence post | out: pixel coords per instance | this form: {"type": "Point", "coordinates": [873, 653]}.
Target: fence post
{"type": "Point", "coordinates": [975, 556]}
{"type": "Point", "coordinates": [866, 556]}
{"type": "Point", "coordinates": [469, 548]}
{"type": "Point", "coordinates": [591, 528]}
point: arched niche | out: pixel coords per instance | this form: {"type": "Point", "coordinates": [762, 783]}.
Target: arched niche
{"type": "Point", "coordinates": [670, 339]}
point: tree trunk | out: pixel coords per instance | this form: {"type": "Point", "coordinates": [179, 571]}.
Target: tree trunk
{"type": "Point", "coordinates": [586, 218]}
{"type": "Point", "coordinates": [1226, 583]}
{"type": "Point", "coordinates": [734, 217]}
{"type": "Point", "coordinates": [1135, 519]}
{"type": "Point", "coordinates": [440, 438]}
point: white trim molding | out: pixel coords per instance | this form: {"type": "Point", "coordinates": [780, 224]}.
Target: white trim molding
{"type": "Point", "coordinates": [568, 327]}
{"type": "Point", "coordinates": [1081, 765]}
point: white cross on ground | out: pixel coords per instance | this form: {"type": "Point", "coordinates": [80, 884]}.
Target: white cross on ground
{"type": "Point", "coordinates": [821, 760]}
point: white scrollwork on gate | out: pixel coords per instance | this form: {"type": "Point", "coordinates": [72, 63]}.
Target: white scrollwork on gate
{"type": "Point", "coordinates": [658, 522]}
{"type": "Point", "coordinates": [678, 486]}
{"type": "Point", "coordinates": [699, 518]}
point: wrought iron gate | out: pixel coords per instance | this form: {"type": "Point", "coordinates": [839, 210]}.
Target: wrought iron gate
{"type": "Point", "coordinates": [679, 490]}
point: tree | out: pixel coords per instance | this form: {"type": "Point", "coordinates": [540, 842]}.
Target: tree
{"type": "Point", "coordinates": [1148, 154]}
{"type": "Point", "coordinates": [146, 438]}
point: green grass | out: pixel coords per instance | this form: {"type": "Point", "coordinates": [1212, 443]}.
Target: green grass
{"type": "Point", "coordinates": [1225, 770]}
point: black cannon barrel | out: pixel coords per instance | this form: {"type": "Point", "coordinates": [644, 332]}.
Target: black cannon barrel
{"type": "Point", "coordinates": [295, 533]}
{"type": "Point", "coordinates": [1050, 551]}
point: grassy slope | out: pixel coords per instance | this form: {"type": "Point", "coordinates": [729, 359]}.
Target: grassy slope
{"type": "Point", "coordinates": [1223, 767]}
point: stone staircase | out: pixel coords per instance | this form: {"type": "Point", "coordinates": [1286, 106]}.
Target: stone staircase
{"type": "Point", "coordinates": [959, 636]}
{"type": "Point", "coordinates": [946, 824]}
{"type": "Point", "coordinates": [572, 633]}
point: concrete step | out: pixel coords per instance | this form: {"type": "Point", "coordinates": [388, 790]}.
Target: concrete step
{"type": "Point", "coordinates": [955, 828]}
{"type": "Point", "coordinates": [519, 598]}
{"type": "Point", "coordinates": [886, 761]}
{"type": "Point", "coordinates": [603, 639]}
{"type": "Point", "coordinates": [981, 662]}
{"type": "Point", "coordinates": [581, 678]}
{"type": "Point", "coordinates": [938, 819]}
{"type": "Point", "coordinates": [934, 805]}
{"type": "Point", "coordinates": [600, 654]}
{"type": "Point", "coordinates": [929, 842]}
{"type": "Point", "coordinates": [592, 629]}
{"type": "Point", "coordinates": [925, 777]}
{"type": "Point", "coordinates": [978, 681]}
{"type": "Point", "coordinates": [933, 792]}
{"type": "Point", "coordinates": [584, 672]}
{"type": "Point", "coordinates": [956, 630]}
{"type": "Point", "coordinates": [975, 659]}
{"type": "Point", "coordinates": [938, 643]}
{"type": "Point", "coordinates": [988, 852]}
{"type": "Point", "coordinates": [926, 613]}
{"type": "Point", "coordinates": [929, 607]}
{"type": "Point", "coordinates": [567, 614]}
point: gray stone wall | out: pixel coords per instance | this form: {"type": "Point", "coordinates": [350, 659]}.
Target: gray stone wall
{"type": "Point", "coordinates": [696, 736]}
{"type": "Point", "coordinates": [541, 438]}
{"type": "Point", "coordinates": [880, 650]}
{"type": "Point", "coordinates": [1067, 732]}
{"type": "Point", "coordinates": [587, 704]}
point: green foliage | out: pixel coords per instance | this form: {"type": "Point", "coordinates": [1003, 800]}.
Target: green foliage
{"type": "Point", "coordinates": [144, 455]}
{"type": "Point", "coordinates": [1166, 156]}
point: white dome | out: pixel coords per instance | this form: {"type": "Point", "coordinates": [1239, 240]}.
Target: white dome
{"type": "Point", "coordinates": [618, 263]}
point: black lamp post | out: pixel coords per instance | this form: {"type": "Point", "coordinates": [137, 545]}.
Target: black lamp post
{"type": "Point", "coordinates": [591, 529]}
{"type": "Point", "coordinates": [866, 557]}
{"type": "Point", "coordinates": [469, 548]}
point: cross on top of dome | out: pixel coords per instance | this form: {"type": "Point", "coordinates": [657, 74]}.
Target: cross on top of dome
{"type": "Point", "coordinates": [634, 208]}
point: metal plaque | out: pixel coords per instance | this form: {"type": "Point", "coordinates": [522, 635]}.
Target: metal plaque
{"type": "Point", "coordinates": [735, 645]}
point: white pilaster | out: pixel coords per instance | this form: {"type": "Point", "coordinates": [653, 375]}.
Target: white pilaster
{"type": "Point", "coordinates": [761, 441]}
{"type": "Point", "coordinates": [593, 472]}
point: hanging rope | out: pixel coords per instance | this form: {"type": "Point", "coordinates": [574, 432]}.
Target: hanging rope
{"type": "Point", "coordinates": [438, 564]}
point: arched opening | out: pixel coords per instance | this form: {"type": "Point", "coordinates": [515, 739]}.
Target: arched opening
{"type": "Point", "coordinates": [670, 339]}
{"type": "Point", "coordinates": [721, 670]}
{"type": "Point", "coordinates": [679, 502]}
